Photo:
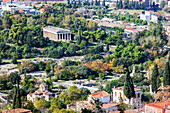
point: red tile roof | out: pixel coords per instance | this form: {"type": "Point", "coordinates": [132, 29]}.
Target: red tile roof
{"type": "Point", "coordinates": [151, 11]}
{"type": "Point", "coordinates": [100, 94]}
{"type": "Point", "coordinates": [42, 10]}
{"type": "Point", "coordinates": [121, 88]}
{"type": "Point", "coordinates": [30, 95]}
{"type": "Point", "coordinates": [48, 5]}
{"type": "Point", "coordinates": [130, 29]}
{"type": "Point", "coordinates": [108, 105]}
{"type": "Point", "coordinates": [18, 110]}
{"type": "Point", "coordinates": [159, 104]}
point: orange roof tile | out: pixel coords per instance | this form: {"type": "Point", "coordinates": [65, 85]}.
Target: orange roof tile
{"type": "Point", "coordinates": [130, 29]}
{"type": "Point", "coordinates": [48, 5]}
{"type": "Point", "coordinates": [42, 10]}
{"type": "Point", "coordinates": [159, 104]}
{"type": "Point", "coordinates": [121, 88]}
{"type": "Point", "coordinates": [100, 94]}
{"type": "Point", "coordinates": [30, 95]}
{"type": "Point", "coordinates": [108, 105]}
{"type": "Point", "coordinates": [151, 11]}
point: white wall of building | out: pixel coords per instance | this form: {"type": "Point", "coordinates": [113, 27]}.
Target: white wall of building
{"type": "Point", "coordinates": [119, 93]}
{"type": "Point", "coordinates": [105, 99]}
{"type": "Point", "coordinates": [154, 18]}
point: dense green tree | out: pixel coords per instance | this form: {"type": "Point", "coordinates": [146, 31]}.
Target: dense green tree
{"type": "Point", "coordinates": [166, 75]}
{"type": "Point", "coordinates": [103, 3]}
{"type": "Point", "coordinates": [162, 5]}
{"type": "Point", "coordinates": [144, 22]}
{"type": "Point", "coordinates": [121, 105]}
{"type": "Point", "coordinates": [107, 47]}
{"type": "Point", "coordinates": [7, 22]}
{"type": "Point", "coordinates": [128, 88]}
{"type": "Point", "coordinates": [102, 75]}
{"type": "Point", "coordinates": [56, 103]}
{"type": "Point", "coordinates": [14, 60]}
{"type": "Point", "coordinates": [71, 50]}
{"type": "Point", "coordinates": [86, 111]}
{"type": "Point", "coordinates": [112, 84]}
{"type": "Point", "coordinates": [155, 79]}
{"type": "Point", "coordinates": [14, 77]}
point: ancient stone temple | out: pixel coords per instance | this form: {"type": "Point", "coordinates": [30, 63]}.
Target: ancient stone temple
{"type": "Point", "coordinates": [57, 34]}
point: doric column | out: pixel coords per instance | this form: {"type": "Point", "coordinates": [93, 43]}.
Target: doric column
{"type": "Point", "coordinates": [68, 37]}
{"type": "Point", "coordinates": [59, 37]}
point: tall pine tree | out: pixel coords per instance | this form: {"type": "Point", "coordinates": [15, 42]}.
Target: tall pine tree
{"type": "Point", "coordinates": [128, 88]}
{"type": "Point", "coordinates": [103, 3]}
{"type": "Point", "coordinates": [166, 75]}
{"type": "Point", "coordinates": [169, 57]}
{"type": "Point", "coordinates": [18, 98]}
{"type": "Point", "coordinates": [14, 98]}
{"type": "Point", "coordinates": [155, 79]}
{"type": "Point", "coordinates": [95, 2]}
{"type": "Point", "coordinates": [79, 3]}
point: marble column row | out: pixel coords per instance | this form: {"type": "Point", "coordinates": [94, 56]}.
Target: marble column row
{"type": "Point", "coordinates": [63, 37]}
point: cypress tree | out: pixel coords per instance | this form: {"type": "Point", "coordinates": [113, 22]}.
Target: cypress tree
{"type": "Point", "coordinates": [95, 2]}
{"type": "Point", "coordinates": [169, 57]}
{"type": "Point", "coordinates": [120, 4]}
{"type": "Point", "coordinates": [92, 2]}
{"type": "Point", "coordinates": [117, 4]}
{"type": "Point", "coordinates": [107, 47]}
{"type": "Point", "coordinates": [14, 99]}
{"type": "Point", "coordinates": [166, 75]}
{"type": "Point", "coordinates": [128, 88]}
{"type": "Point", "coordinates": [158, 84]}
{"type": "Point", "coordinates": [99, 2]}
{"type": "Point", "coordinates": [103, 3]}
{"type": "Point", "coordinates": [79, 4]}
{"type": "Point", "coordinates": [155, 78]}
{"type": "Point", "coordinates": [68, 1]}
{"type": "Point", "coordinates": [18, 98]}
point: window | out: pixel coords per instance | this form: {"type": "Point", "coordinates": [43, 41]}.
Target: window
{"type": "Point", "coordinates": [124, 96]}
{"type": "Point", "coordinates": [120, 94]}
{"type": "Point", "coordinates": [138, 103]}
{"type": "Point", "coordinates": [115, 93]}
{"type": "Point", "coordinates": [138, 95]}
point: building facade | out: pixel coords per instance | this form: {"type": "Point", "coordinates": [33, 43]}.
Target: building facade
{"type": "Point", "coordinates": [149, 16]}
{"type": "Point", "coordinates": [118, 92]}
{"type": "Point", "coordinates": [131, 30]}
{"type": "Point", "coordinates": [102, 96]}
{"type": "Point", "coordinates": [42, 92]}
{"type": "Point", "coordinates": [57, 34]}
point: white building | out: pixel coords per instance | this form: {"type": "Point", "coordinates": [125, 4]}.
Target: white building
{"type": "Point", "coordinates": [130, 30]}
{"type": "Point", "coordinates": [145, 17]}
{"type": "Point", "coordinates": [102, 96]}
{"type": "Point", "coordinates": [154, 18]}
{"type": "Point", "coordinates": [149, 16]}
{"type": "Point", "coordinates": [9, 7]}
{"type": "Point", "coordinates": [118, 92]}
{"type": "Point", "coordinates": [57, 34]}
